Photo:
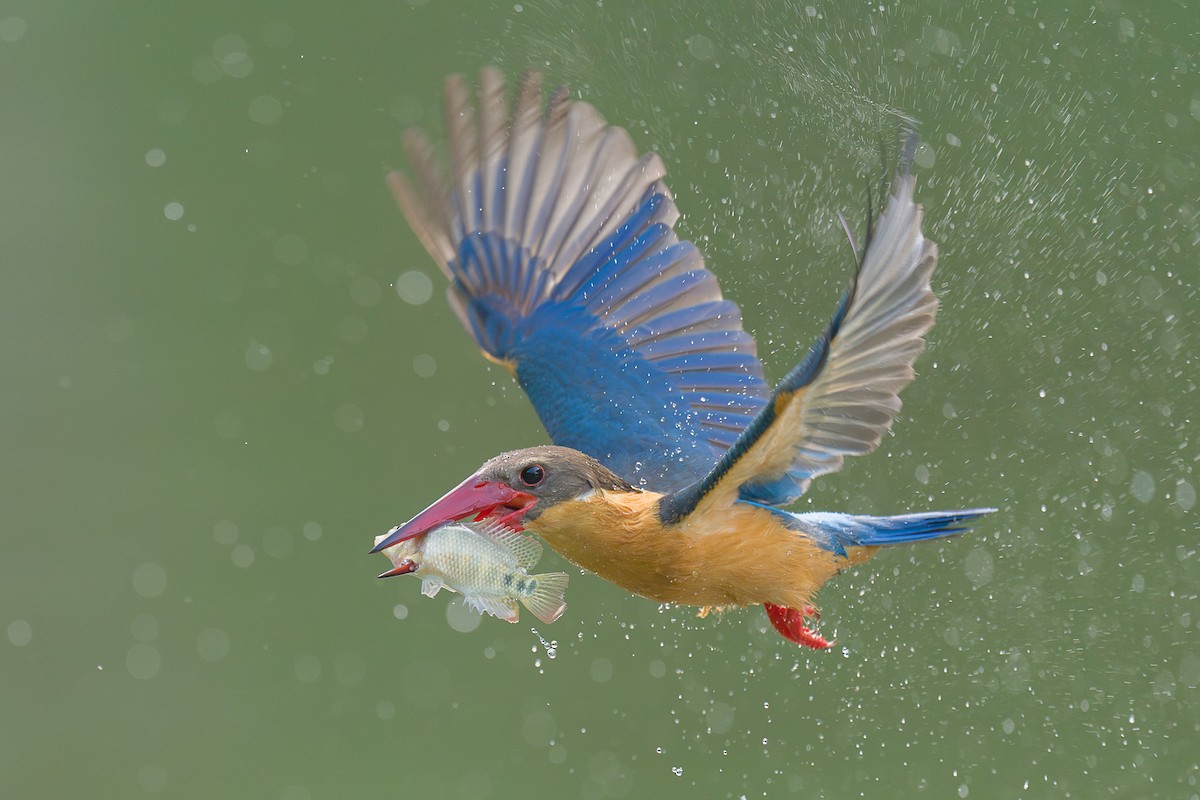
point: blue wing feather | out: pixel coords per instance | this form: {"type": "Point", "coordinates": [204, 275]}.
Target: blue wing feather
{"type": "Point", "coordinates": [559, 244]}
{"type": "Point", "coordinates": [584, 270]}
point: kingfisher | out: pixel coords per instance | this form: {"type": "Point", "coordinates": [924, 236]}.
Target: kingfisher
{"type": "Point", "coordinates": [672, 461]}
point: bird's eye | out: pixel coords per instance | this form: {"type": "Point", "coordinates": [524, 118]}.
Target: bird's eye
{"type": "Point", "coordinates": [533, 475]}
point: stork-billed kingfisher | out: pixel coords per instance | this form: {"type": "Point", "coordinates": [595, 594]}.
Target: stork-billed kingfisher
{"type": "Point", "coordinates": [672, 460]}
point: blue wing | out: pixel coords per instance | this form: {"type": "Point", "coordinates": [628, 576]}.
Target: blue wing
{"type": "Point", "coordinates": [844, 396]}
{"type": "Point", "coordinates": [558, 242]}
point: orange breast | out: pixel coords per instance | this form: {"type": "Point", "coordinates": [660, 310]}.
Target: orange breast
{"type": "Point", "coordinates": [731, 556]}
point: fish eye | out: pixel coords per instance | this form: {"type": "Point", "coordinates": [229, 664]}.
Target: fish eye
{"type": "Point", "coordinates": [533, 475]}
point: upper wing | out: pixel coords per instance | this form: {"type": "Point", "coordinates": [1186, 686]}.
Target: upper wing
{"type": "Point", "coordinates": [563, 263]}
{"type": "Point", "coordinates": [845, 394]}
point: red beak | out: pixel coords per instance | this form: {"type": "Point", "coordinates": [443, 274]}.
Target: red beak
{"type": "Point", "coordinates": [403, 568]}
{"type": "Point", "coordinates": [475, 498]}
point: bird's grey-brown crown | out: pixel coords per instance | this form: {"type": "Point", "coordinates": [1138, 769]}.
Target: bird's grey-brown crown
{"type": "Point", "coordinates": [552, 474]}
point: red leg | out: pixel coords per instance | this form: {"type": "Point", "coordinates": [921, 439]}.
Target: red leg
{"type": "Point", "coordinates": [790, 623]}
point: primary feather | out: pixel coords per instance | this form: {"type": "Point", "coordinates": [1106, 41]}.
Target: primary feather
{"type": "Point", "coordinates": [559, 244]}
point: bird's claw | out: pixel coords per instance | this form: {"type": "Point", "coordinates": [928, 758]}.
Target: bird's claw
{"type": "Point", "coordinates": [790, 622]}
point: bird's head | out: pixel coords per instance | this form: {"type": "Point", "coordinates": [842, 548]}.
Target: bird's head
{"type": "Point", "coordinates": [513, 487]}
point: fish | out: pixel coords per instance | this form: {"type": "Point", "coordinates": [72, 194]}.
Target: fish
{"type": "Point", "coordinates": [487, 563]}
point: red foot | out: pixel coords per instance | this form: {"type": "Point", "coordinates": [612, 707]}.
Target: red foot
{"type": "Point", "coordinates": [790, 623]}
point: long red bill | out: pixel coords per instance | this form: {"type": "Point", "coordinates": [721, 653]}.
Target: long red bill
{"type": "Point", "coordinates": [474, 497]}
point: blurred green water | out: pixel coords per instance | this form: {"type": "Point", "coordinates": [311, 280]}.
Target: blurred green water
{"type": "Point", "coordinates": [214, 398]}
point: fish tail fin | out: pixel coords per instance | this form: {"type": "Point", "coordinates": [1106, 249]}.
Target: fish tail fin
{"type": "Point", "coordinates": [548, 600]}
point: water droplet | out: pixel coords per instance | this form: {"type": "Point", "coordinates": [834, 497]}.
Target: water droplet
{"type": "Point", "coordinates": [152, 777]}
{"type": "Point", "coordinates": [242, 555]}
{"type": "Point", "coordinates": [719, 718]}
{"type": "Point", "coordinates": [12, 29]}
{"type": "Point", "coordinates": [414, 287]}
{"type": "Point", "coordinates": [601, 670]}
{"type": "Point", "coordinates": [925, 156]}
{"type": "Point", "coordinates": [265, 110]}
{"type": "Point", "coordinates": [348, 418]}
{"type": "Point", "coordinates": [978, 566]}
{"type": "Point", "coordinates": [1142, 486]}
{"type": "Point", "coordinates": [277, 542]}
{"type": "Point", "coordinates": [149, 580]}
{"type": "Point", "coordinates": [1185, 495]}
{"type": "Point", "coordinates": [225, 531]}
{"type": "Point", "coordinates": [212, 644]}
{"type": "Point", "coordinates": [1189, 670]}
{"type": "Point", "coordinates": [425, 366]}
{"type": "Point", "coordinates": [20, 632]}
{"type": "Point", "coordinates": [231, 53]}
{"type": "Point", "coordinates": [308, 669]}
{"type": "Point", "coordinates": [701, 47]}
{"type": "Point", "coordinates": [143, 661]}
{"type": "Point", "coordinates": [258, 356]}
{"type": "Point", "coordinates": [462, 617]}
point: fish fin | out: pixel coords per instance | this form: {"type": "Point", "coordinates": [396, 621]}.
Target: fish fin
{"type": "Point", "coordinates": [431, 586]}
{"type": "Point", "coordinates": [548, 599]}
{"type": "Point", "coordinates": [499, 607]}
{"type": "Point", "coordinates": [526, 549]}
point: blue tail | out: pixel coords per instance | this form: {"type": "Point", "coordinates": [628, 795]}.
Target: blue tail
{"type": "Point", "coordinates": [836, 532]}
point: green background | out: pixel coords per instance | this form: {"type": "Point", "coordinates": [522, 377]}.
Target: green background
{"type": "Point", "coordinates": [213, 399]}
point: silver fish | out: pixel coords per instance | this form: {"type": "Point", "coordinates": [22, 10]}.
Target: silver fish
{"type": "Point", "coordinates": [485, 562]}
